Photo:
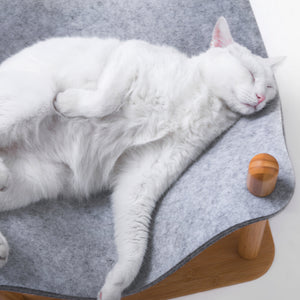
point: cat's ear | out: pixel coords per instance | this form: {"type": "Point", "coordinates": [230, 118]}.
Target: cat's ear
{"type": "Point", "coordinates": [221, 36]}
{"type": "Point", "coordinates": [274, 62]}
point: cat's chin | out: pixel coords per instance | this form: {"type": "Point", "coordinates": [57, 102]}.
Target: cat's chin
{"type": "Point", "coordinates": [249, 109]}
{"type": "Point", "coordinates": [245, 108]}
{"type": "Point", "coordinates": [242, 109]}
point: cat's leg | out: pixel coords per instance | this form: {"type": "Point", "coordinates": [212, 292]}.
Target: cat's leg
{"type": "Point", "coordinates": [4, 248]}
{"type": "Point", "coordinates": [4, 175]}
{"type": "Point", "coordinates": [112, 89]}
{"type": "Point", "coordinates": [26, 180]}
{"type": "Point", "coordinates": [11, 198]}
{"type": "Point", "coordinates": [148, 174]}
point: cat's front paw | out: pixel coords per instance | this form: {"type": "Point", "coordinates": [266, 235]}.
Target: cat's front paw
{"type": "Point", "coordinates": [68, 103]}
{"type": "Point", "coordinates": [4, 249]}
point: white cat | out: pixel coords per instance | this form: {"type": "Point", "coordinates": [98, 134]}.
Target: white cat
{"type": "Point", "coordinates": [140, 115]}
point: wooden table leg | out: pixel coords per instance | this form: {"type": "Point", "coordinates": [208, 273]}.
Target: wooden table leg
{"type": "Point", "coordinates": [250, 240]}
{"type": "Point", "coordinates": [262, 176]}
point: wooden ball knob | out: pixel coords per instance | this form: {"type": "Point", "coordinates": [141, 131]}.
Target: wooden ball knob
{"type": "Point", "coordinates": [262, 174]}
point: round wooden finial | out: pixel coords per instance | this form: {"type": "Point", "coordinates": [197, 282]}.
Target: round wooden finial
{"type": "Point", "coordinates": [262, 174]}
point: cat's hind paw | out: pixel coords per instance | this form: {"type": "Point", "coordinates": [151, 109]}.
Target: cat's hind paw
{"type": "Point", "coordinates": [109, 293]}
{"type": "Point", "coordinates": [4, 250]}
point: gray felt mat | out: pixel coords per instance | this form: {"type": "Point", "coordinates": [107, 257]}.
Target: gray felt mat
{"type": "Point", "coordinates": [65, 247]}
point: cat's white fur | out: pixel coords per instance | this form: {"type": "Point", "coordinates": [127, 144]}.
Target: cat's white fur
{"type": "Point", "coordinates": [127, 116]}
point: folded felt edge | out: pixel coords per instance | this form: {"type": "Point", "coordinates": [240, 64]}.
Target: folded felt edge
{"type": "Point", "coordinates": [172, 270]}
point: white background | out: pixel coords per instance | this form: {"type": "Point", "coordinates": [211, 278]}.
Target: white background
{"type": "Point", "coordinates": [279, 24]}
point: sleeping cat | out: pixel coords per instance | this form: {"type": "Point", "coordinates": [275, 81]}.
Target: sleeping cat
{"type": "Point", "coordinates": [79, 115]}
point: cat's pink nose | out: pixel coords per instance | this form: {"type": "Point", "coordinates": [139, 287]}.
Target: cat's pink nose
{"type": "Point", "coordinates": [260, 98]}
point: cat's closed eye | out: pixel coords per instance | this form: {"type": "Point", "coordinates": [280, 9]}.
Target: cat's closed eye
{"type": "Point", "coordinates": [253, 78]}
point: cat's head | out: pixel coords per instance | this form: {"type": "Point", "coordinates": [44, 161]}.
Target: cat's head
{"type": "Point", "coordinates": [243, 80]}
